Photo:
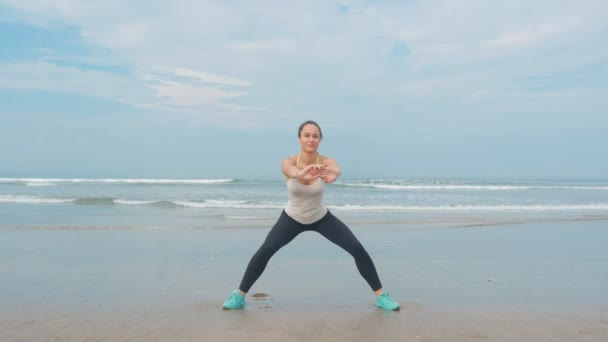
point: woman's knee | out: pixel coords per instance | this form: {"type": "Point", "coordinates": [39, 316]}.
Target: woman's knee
{"type": "Point", "coordinates": [267, 250]}
{"type": "Point", "coordinates": [357, 250]}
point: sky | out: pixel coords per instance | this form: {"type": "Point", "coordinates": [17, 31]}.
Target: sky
{"type": "Point", "coordinates": [216, 89]}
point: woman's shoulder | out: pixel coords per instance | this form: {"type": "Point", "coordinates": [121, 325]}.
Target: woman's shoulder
{"type": "Point", "coordinates": [291, 159]}
{"type": "Point", "coordinates": [288, 162]}
{"type": "Point", "coordinates": [322, 159]}
{"type": "Point", "coordinates": [326, 160]}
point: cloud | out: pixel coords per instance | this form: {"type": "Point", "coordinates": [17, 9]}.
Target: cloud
{"type": "Point", "coordinates": [276, 45]}
{"type": "Point", "coordinates": [123, 36]}
{"type": "Point", "coordinates": [191, 55]}
{"type": "Point", "coordinates": [190, 95]}
{"type": "Point", "coordinates": [209, 77]}
{"type": "Point", "coordinates": [140, 89]}
{"type": "Point", "coordinates": [536, 35]}
{"type": "Point", "coordinates": [68, 79]}
{"type": "Point", "coordinates": [185, 88]}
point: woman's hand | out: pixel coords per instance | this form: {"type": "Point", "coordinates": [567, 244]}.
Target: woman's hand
{"type": "Point", "coordinates": [310, 172]}
{"type": "Point", "coordinates": [330, 174]}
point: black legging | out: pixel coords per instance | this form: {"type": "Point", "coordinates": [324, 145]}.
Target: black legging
{"type": "Point", "coordinates": [286, 229]}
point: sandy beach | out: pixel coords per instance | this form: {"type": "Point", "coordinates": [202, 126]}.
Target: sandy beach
{"type": "Point", "coordinates": [457, 279]}
{"type": "Point", "coordinates": [263, 322]}
{"type": "Point", "coordinates": [147, 149]}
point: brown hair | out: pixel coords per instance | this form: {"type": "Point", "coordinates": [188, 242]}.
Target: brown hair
{"type": "Point", "coordinates": [309, 122]}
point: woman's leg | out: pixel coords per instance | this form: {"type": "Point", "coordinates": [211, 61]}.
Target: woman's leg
{"type": "Point", "coordinates": [337, 232]}
{"type": "Point", "coordinates": [285, 230]}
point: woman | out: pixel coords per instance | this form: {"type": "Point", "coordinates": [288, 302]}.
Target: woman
{"type": "Point", "coordinates": [306, 175]}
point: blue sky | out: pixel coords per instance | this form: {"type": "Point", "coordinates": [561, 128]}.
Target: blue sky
{"type": "Point", "coordinates": [217, 89]}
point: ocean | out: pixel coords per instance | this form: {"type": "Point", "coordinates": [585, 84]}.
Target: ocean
{"type": "Point", "coordinates": [234, 203]}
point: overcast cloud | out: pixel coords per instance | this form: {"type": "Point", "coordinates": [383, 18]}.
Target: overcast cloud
{"type": "Point", "coordinates": [216, 88]}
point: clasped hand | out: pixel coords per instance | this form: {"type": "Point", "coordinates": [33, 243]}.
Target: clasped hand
{"type": "Point", "coordinates": [327, 173]}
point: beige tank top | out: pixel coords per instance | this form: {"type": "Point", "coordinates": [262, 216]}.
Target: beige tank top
{"type": "Point", "coordinates": [305, 203]}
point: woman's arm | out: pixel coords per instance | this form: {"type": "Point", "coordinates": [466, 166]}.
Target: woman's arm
{"type": "Point", "coordinates": [332, 170]}
{"type": "Point", "coordinates": [308, 173]}
{"type": "Point", "coordinates": [289, 168]}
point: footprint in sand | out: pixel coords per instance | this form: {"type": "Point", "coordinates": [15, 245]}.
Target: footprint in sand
{"type": "Point", "coordinates": [260, 296]}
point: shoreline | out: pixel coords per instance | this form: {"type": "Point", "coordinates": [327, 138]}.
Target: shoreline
{"type": "Point", "coordinates": [536, 281]}
{"type": "Point", "coordinates": [207, 322]}
{"type": "Point", "coordinates": [365, 220]}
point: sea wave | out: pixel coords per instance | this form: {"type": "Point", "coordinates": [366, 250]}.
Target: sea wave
{"type": "Point", "coordinates": [54, 181]}
{"type": "Point", "coordinates": [40, 184]}
{"type": "Point", "coordinates": [247, 218]}
{"type": "Point", "coordinates": [33, 200]}
{"type": "Point", "coordinates": [230, 204]}
{"type": "Point", "coordinates": [94, 201]}
{"type": "Point", "coordinates": [532, 207]}
{"type": "Point", "coordinates": [474, 187]}
{"type": "Point", "coordinates": [243, 204]}
{"type": "Point", "coordinates": [133, 202]}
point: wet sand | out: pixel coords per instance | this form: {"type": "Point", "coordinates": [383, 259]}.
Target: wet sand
{"type": "Point", "coordinates": [203, 321]}
{"type": "Point", "coordinates": [458, 280]}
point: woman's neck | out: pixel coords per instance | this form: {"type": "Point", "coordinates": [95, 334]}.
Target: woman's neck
{"type": "Point", "coordinates": [307, 158]}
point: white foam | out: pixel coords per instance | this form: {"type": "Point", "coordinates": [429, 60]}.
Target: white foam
{"type": "Point", "coordinates": [40, 184]}
{"type": "Point", "coordinates": [565, 207]}
{"type": "Point", "coordinates": [132, 202]}
{"type": "Point", "coordinates": [32, 200]}
{"type": "Point", "coordinates": [218, 204]}
{"type": "Point", "coordinates": [471, 187]}
{"type": "Point", "coordinates": [115, 181]}
{"type": "Point", "coordinates": [247, 218]}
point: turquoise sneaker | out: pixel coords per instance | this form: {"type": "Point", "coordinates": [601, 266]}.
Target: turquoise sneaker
{"type": "Point", "coordinates": [234, 301]}
{"type": "Point", "coordinates": [386, 302]}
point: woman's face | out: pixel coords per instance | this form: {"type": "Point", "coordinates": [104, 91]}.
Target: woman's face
{"type": "Point", "coordinates": [310, 137]}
